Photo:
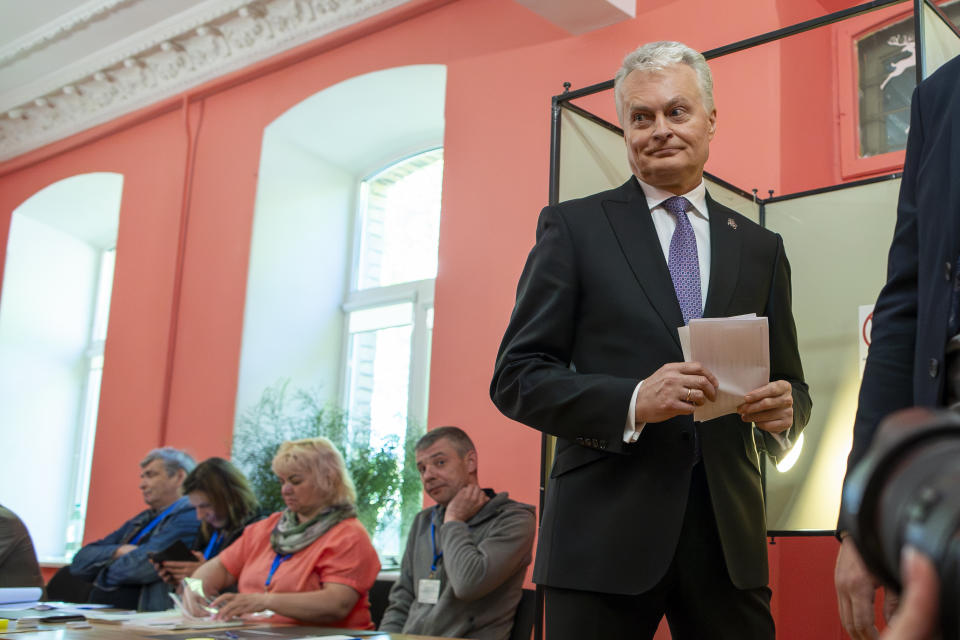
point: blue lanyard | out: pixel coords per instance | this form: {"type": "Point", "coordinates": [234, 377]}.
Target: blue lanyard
{"type": "Point", "coordinates": [433, 542]}
{"type": "Point", "coordinates": [277, 561]}
{"type": "Point", "coordinates": [211, 545]}
{"type": "Point", "coordinates": [153, 523]}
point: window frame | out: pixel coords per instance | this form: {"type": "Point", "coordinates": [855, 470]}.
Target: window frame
{"type": "Point", "coordinates": [356, 230]}
{"type": "Point", "coordinates": [418, 293]}
{"type": "Point", "coordinates": [852, 166]}
{"type": "Point", "coordinates": [94, 362]}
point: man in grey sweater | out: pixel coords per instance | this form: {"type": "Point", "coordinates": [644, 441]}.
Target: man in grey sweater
{"type": "Point", "coordinates": [463, 569]}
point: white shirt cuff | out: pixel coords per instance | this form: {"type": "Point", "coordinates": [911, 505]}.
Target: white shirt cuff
{"type": "Point", "coordinates": [631, 431]}
{"type": "Point", "coordinates": [781, 438]}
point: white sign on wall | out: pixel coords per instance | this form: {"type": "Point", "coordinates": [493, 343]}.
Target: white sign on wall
{"type": "Point", "coordinates": [864, 329]}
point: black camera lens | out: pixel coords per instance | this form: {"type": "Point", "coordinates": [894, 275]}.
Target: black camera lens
{"type": "Point", "coordinates": [906, 490]}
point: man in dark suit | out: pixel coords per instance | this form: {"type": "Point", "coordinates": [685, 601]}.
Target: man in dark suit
{"type": "Point", "coordinates": [912, 358]}
{"type": "Point", "coordinates": [646, 513]}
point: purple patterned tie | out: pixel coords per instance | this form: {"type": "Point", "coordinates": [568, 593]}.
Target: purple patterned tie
{"type": "Point", "coordinates": [684, 264]}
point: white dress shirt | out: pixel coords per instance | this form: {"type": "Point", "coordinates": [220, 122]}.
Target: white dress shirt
{"type": "Point", "coordinates": [665, 223]}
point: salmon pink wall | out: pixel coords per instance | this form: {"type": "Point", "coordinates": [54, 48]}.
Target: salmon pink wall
{"type": "Point", "coordinates": [190, 174]}
{"type": "Point", "coordinates": [809, 134]}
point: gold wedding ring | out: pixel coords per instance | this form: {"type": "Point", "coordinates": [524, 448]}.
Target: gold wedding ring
{"type": "Point", "coordinates": [687, 399]}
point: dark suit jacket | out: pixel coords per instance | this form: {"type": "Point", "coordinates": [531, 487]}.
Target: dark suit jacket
{"type": "Point", "coordinates": [596, 313]}
{"type": "Point", "coordinates": [910, 321]}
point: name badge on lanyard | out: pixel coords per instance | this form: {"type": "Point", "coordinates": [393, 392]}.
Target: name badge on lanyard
{"type": "Point", "coordinates": [428, 591]}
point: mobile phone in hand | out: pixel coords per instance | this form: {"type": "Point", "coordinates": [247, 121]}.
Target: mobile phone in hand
{"type": "Point", "coordinates": [176, 551]}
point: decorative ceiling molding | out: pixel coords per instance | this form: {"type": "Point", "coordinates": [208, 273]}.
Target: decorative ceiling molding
{"type": "Point", "coordinates": [210, 40]}
{"type": "Point", "coordinates": [60, 28]}
{"type": "Point", "coordinates": [176, 27]}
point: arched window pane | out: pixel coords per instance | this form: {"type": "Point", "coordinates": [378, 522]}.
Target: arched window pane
{"type": "Point", "coordinates": [400, 220]}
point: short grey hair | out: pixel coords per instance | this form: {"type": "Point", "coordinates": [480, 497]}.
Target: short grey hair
{"type": "Point", "coordinates": [173, 460]}
{"type": "Point", "coordinates": [655, 56]}
{"type": "Point", "coordinates": [458, 438]}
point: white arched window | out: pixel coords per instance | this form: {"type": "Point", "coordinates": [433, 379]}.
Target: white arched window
{"type": "Point", "coordinates": [57, 284]}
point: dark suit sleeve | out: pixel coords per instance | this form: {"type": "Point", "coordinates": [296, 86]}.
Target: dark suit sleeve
{"type": "Point", "coordinates": [888, 375]}
{"type": "Point", "coordinates": [784, 352]}
{"type": "Point", "coordinates": [533, 381]}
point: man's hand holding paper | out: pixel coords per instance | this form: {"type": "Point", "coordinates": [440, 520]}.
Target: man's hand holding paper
{"type": "Point", "coordinates": [737, 351]}
{"type": "Point", "coordinates": [770, 407]}
{"type": "Point", "coordinates": [674, 389]}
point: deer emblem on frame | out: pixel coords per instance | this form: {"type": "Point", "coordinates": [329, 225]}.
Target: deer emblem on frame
{"type": "Point", "coordinates": [907, 45]}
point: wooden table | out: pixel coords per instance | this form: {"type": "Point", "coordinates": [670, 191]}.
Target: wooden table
{"type": "Point", "coordinates": [118, 632]}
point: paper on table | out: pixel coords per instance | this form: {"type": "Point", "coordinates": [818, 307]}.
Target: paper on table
{"type": "Point", "coordinates": [20, 594]}
{"type": "Point", "coordinates": [736, 350]}
{"type": "Point", "coordinates": [171, 619]}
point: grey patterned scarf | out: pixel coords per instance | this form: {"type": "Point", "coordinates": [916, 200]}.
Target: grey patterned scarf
{"type": "Point", "coordinates": [290, 536]}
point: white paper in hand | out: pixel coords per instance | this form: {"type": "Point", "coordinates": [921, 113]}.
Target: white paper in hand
{"type": "Point", "coordinates": [736, 350]}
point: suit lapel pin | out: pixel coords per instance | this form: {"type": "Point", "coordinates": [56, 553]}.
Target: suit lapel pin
{"type": "Point", "coordinates": [731, 223]}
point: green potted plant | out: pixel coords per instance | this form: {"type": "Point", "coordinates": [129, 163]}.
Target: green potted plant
{"type": "Point", "coordinates": [386, 488]}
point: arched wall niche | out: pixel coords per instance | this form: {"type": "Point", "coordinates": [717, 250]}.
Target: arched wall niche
{"type": "Point", "coordinates": [312, 161]}
{"type": "Point", "coordinates": [54, 311]}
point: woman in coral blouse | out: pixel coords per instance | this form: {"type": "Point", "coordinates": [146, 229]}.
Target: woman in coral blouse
{"type": "Point", "coordinates": [311, 563]}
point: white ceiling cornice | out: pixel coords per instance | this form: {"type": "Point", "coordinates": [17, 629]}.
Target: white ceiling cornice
{"type": "Point", "coordinates": [60, 28]}
{"type": "Point", "coordinates": [178, 26]}
{"type": "Point", "coordinates": [210, 39]}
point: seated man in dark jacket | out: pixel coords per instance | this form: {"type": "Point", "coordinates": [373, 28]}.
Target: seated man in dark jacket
{"type": "Point", "coordinates": [118, 565]}
{"type": "Point", "coordinates": [462, 573]}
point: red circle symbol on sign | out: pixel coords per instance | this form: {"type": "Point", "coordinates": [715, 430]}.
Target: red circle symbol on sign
{"type": "Point", "coordinates": [867, 328]}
